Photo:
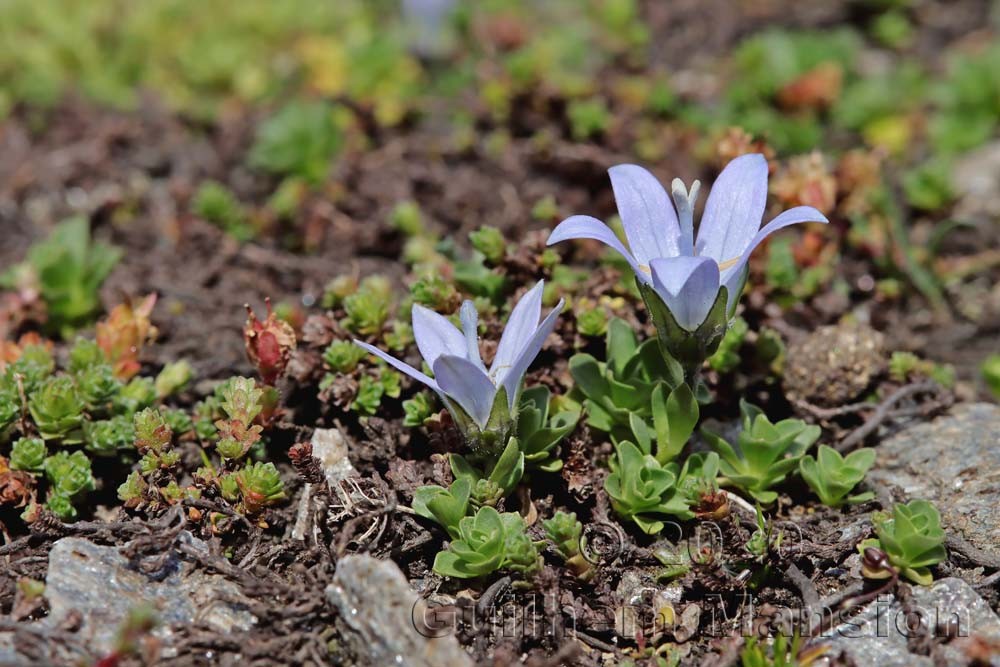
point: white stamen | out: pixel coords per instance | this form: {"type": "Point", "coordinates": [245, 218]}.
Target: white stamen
{"type": "Point", "coordinates": [684, 201]}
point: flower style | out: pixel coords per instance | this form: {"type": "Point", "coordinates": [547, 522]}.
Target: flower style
{"type": "Point", "coordinates": [466, 387]}
{"type": "Point", "coordinates": [685, 272]}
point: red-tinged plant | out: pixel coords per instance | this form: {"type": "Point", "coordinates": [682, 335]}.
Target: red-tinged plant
{"type": "Point", "coordinates": [17, 487]}
{"type": "Point", "coordinates": [736, 141]}
{"type": "Point", "coordinates": [11, 351]}
{"type": "Point", "coordinates": [241, 403]}
{"type": "Point", "coordinates": [269, 343]}
{"type": "Point", "coordinates": [124, 333]}
{"type": "Point", "coordinates": [805, 180]}
{"type": "Point", "coordinates": [818, 88]}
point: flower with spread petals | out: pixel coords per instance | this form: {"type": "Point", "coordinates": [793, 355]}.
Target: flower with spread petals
{"type": "Point", "coordinates": [481, 400]}
{"type": "Point", "coordinates": [688, 273]}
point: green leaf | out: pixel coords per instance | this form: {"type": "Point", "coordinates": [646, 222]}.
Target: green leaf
{"type": "Point", "coordinates": [588, 377]}
{"type": "Point", "coordinates": [462, 469]}
{"type": "Point", "coordinates": [621, 344]}
{"type": "Point", "coordinates": [445, 506]}
{"type": "Point", "coordinates": [679, 415]}
{"type": "Point", "coordinates": [643, 434]}
{"type": "Point", "coordinates": [912, 539]}
{"type": "Point", "coordinates": [832, 477]}
{"type": "Point", "coordinates": [509, 467]}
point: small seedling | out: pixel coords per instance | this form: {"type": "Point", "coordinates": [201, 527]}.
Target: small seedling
{"type": "Point", "coordinates": [260, 486]}
{"type": "Point", "coordinates": [57, 409]}
{"type": "Point", "coordinates": [832, 476]}
{"type": "Point", "coordinates": [300, 141]}
{"type": "Point", "coordinates": [764, 454]}
{"type": "Point", "coordinates": [912, 538]}
{"type": "Point", "coordinates": [68, 268]}
{"type": "Point", "coordinates": [566, 535]}
{"type": "Point", "coordinates": [643, 490]}
{"type": "Point", "coordinates": [487, 542]}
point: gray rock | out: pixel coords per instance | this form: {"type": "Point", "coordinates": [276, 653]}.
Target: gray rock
{"type": "Point", "coordinates": [97, 582]}
{"type": "Point", "coordinates": [329, 447]}
{"type": "Point", "coordinates": [954, 462]}
{"type": "Point", "coordinates": [878, 634]}
{"type": "Point", "coordinates": [380, 615]}
{"type": "Point", "coordinates": [976, 176]}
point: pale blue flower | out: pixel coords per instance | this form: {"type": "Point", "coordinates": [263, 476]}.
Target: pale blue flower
{"type": "Point", "coordinates": [685, 272]}
{"type": "Point", "coordinates": [460, 377]}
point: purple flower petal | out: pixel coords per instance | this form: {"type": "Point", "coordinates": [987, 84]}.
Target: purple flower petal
{"type": "Point", "coordinates": [731, 274]}
{"type": "Point", "coordinates": [470, 324]}
{"type": "Point", "coordinates": [688, 285]}
{"type": "Point", "coordinates": [586, 227]}
{"type": "Point", "coordinates": [435, 335]}
{"type": "Point", "coordinates": [520, 326]}
{"type": "Point", "coordinates": [647, 213]}
{"type": "Point", "coordinates": [465, 384]}
{"type": "Point", "coordinates": [511, 377]}
{"type": "Point", "coordinates": [399, 365]}
{"type": "Point", "coordinates": [734, 209]}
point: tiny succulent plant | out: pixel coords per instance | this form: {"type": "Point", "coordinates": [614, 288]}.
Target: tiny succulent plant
{"type": "Point", "coordinates": [690, 285]}
{"type": "Point", "coordinates": [832, 477]}
{"type": "Point", "coordinates": [107, 437]}
{"type": "Point", "coordinates": [912, 539]}
{"type": "Point", "coordinates": [173, 378]}
{"type": "Point", "coordinates": [69, 478]}
{"type": "Point", "coordinates": [566, 534]}
{"type": "Point", "coordinates": [260, 486]}
{"type": "Point", "coordinates": [153, 437]}
{"type": "Point", "coordinates": [487, 542]}
{"type": "Point", "coordinates": [418, 409]}
{"type": "Point", "coordinates": [68, 269]}
{"type": "Point", "coordinates": [58, 410]}
{"type": "Point", "coordinates": [763, 540]}
{"type": "Point", "coordinates": [343, 356]}
{"type": "Point", "coordinates": [643, 490]}
{"type": "Point", "coordinates": [482, 401]}
{"type": "Point", "coordinates": [33, 366]}
{"type": "Point", "coordinates": [490, 242]}
{"type": "Point", "coordinates": [123, 334]}
{"type": "Point", "coordinates": [139, 393]}
{"type": "Point", "coordinates": [765, 453]}
{"type": "Point", "coordinates": [28, 454]}
{"type": "Point", "coordinates": [367, 308]}
{"type": "Point", "coordinates": [241, 403]}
